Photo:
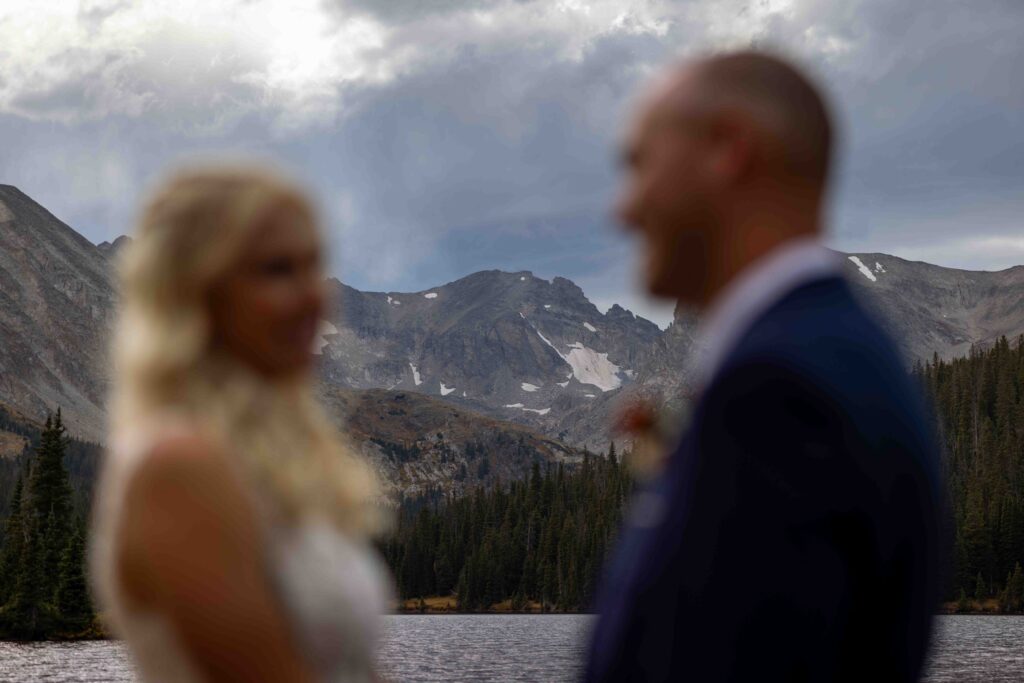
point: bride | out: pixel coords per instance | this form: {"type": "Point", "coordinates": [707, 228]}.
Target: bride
{"type": "Point", "coordinates": [231, 523]}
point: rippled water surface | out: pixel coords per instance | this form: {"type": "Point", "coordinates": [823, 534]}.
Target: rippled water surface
{"type": "Point", "coordinates": [92, 660]}
{"type": "Point", "coordinates": [520, 648]}
{"type": "Point", "coordinates": [498, 647]}
{"type": "Point", "coordinates": [977, 648]}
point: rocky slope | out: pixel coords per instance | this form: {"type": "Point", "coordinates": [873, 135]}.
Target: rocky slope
{"type": "Point", "coordinates": [510, 346]}
{"type": "Point", "coordinates": [927, 309]}
{"type": "Point", "coordinates": [418, 444]}
{"type": "Point", "coordinates": [56, 308]}
{"type": "Point", "coordinates": [930, 309]}
{"type": "Point", "coordinates": [422, 444]}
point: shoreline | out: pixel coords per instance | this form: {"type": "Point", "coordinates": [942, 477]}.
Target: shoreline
{"type": "Point", "coordinates": [432, 607]}
{"type": "Point", "coordinates": [447, 604]}
{"type": "Point", "coordinates": [437, 604]}
{"type": "Point", "coordinates": [989, 607]}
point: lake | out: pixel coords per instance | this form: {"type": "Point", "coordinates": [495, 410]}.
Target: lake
{"type": "Point", "coordinates": [520, 648]}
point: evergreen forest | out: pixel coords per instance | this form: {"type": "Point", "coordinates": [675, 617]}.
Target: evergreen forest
{"type": "Point", "coordinates": [537, 543]}
{"type": "Point", "coordinates": [979, 413]}
{"type": "Point", "coordinates": [43, 587]}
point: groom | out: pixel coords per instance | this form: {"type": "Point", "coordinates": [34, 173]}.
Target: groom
{"type": "Point", "coordinates": [793, 533]}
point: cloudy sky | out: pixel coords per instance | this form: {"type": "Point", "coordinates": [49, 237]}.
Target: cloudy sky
{"type": "Point", "coordinates": [441, 137]}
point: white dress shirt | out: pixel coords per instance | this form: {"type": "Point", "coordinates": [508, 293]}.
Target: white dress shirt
{"type": "Point", "coordinates": [751, 293]}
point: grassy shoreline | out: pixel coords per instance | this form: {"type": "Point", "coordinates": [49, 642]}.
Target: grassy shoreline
{"type": "Point", "coordinates": [440, 604]}
{"type": "Point", "coordinates": [989, 607]}
{"type": "Point", "coordinates": [447, 604]}
{"type": "Point", "coordinates": [94, 632]}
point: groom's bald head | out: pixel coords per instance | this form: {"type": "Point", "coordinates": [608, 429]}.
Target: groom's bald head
{"type": "Point", "coordinates": [728, 156]}
{"type": "Point", "coordinates": [772, 95]}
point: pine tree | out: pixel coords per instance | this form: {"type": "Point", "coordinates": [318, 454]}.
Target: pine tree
{"type": "Point", "coordinates": [38, 533]}
{"type": "Point", "coordinates": [963, 604]}
{"type": "Point", "coordinates": [1015, 589]}
{"type": "Point", "coordinates": [73, 601]}
{"type": "Point", "coordinates": [14, 541]}
{"type": "Point", "coordinates": [50, 500]}
{"type": "Point", "coordinates": [462, 596]}
{"type": "Point", "coordinates": [30, 613]}
{"type": "Point", "coordinates": [980, 590]}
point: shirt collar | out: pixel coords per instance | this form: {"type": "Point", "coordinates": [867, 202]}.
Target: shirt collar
{"type": "Point", "coordinates": [751, 293]}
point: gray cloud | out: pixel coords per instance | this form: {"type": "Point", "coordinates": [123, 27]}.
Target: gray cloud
{"type": "Point", "coordinates": [933, 110]}
{"type": "Point", "coordinates": [402, 11]}
{"type": "Point", "coordinates": [443, 137]}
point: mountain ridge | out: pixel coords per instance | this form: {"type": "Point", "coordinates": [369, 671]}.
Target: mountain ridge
{"type": "Point", "coordinates": [56, 295]}
{"type": "Point", "coordinates": [508, 345]}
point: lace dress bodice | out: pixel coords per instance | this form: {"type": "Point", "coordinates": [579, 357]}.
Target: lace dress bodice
{"type": "Point", "coordinates": [333, 588]}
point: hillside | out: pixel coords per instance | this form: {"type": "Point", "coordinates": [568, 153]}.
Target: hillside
{"type": "Point", "coordinates": [56, 308]}
{"type": "Point", "coordinates": [931, 309]}
{"type": "Point", "coordinates": [509, 346]}
{"type": "Point", "coordinates": [422, 444]}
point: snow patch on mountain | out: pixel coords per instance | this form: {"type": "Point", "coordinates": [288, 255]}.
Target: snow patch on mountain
{"type": "Point", "coordinates": [526, 386]}
{"type": "Point", "coordinates": [540, 411]}
{"type": "Point", "coordinates": [415, 375]}
{"type": "Point", "coordinates": [447, 390]}
{"type": "Point", "coordinates": [591, 367]}
{"type": "Point", "coordinates": [590, 327]}
{"type": "Point", "coordinates": [548, 342]}
{"type": "Point", "coordinates": [863, 269]}
{"type": "Point", "coordinates": [513, 405]}
{"type": "Point", "coordinates": [588, 366]}
{"type": "Point", "coordinates": [430, 295]}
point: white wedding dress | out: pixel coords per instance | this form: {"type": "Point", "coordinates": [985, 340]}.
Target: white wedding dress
{"type": "Point", "coordinates": [333, 588]}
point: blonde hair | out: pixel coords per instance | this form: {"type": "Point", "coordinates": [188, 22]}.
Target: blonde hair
{"type": "Point", "coordinates": [191, 233]}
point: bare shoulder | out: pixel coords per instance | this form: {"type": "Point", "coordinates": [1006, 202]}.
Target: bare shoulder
{"type": "Point", "coordinates": [184, 509]}
{"type": "Point", "coordinates": [190, 549]}
{"type": "Point", "coordinates": [180, 463]}
{"type": "Point", "coordinates": [181, 445]}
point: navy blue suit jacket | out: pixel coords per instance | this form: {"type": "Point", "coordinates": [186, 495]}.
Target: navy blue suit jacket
{"type": "Point", "coordinates": [794, 533]}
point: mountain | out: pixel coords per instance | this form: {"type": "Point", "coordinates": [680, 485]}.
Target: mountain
{"type": "Point", "coordinates": [508, 347]}
{"type": "Point", "coordinates": [419, 445]}
{"type": "Point", "coordinates": [927, 310]}
{"type": "Point", "coordinates": [930, 309]}
{"type": "Point", "coordinates": [56, 309]}
{"type": "Point", "coordinates": [422, 444]}
{"type": "Point", "coordinates": [111, 249]}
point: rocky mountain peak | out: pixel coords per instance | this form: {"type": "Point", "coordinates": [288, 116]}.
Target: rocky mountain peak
{"type": "Point", "coordinates": [112, 249]}
{"type": "Point", "coordinates": [510, 345]}
{"type": "Point", "coordinates": [931, 309]}
{"type": "Point", "coordinates": [507, 344]}
{"type": "Point", "coordinates": [56, 307]}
